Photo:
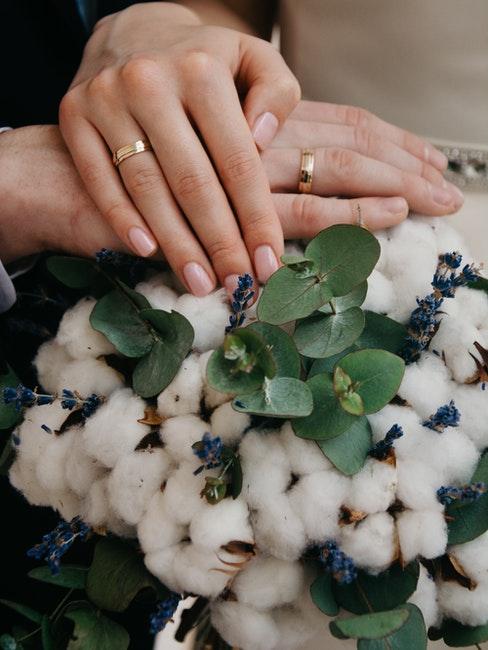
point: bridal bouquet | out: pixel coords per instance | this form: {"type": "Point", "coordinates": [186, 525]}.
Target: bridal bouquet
{"type": "Point", "coordinates": [310, 463]}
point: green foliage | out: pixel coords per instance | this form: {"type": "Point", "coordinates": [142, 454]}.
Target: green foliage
{"type": "Point", "coordinates": [94, 631]}
{"type": "Point", "coordinates": [369, 626]}
{"type": "Point", "coordinates": [23, 610]}
{"type": "Point", "coordinates": [325, 335]}
{"type": "Point", "coordinates": [71, 576]}
{"type": "Point", "coordinates": [9, 416]}
{"type": "Point", "coordinates": [48, 641]}
{"type": "Point", "coordinates": [322, 595]}
{"type": "Point", "coordinates": [411, 636]}
{"type": "Point", "coordinates": [354, 298]}
{"type": "Point", "coordinates": [281, 347]}
{"type": "Point", "coordinates": [74, 272]}
{"type": "Point", "coordinates": [282, 397]}
{"type": "Point", "coordinates": [457, 635]}
{"type": "Point", "coordinates": [348, 452]}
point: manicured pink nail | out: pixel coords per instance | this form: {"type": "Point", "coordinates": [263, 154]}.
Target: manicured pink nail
{"type": "Point", "coordinates": [264, 129]}
{"type": "Point", "coordinates": [436, 157]}
{"type": "Point", "coordinates": [395, 206]}
{"type": "Point", "coordinates": [230, 284]}
{"type": "Point", "coordinates": [442, 196]}
{"type": "Point", "coordinates": [142, 242]}
{"type": "Point", "coordinates": [265, 262]}
{"type": "Point", "coordinates": [457, 194]}
{"type": "Point", "coordinates": [197, 279]}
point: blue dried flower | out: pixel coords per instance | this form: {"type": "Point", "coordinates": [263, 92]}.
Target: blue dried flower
{"type": "Point", "coordinates": [209, 451]}
{"type": "Point", "coordinates": [45, 428]}
{"type": "Point", "coordinates": [465, 494]}
{"type": "Point", "coordinates": [452, 260]}
{"type": "Point", "coordinates": [340, 565]}
{"type": "Point", "coordinates": [68, 399]}
{"type": "Point", "coordinates": [56, 543]}
{"type": "Point", "coordinates": [90, 405]}
{"type": "Point", "coordinates": [240, 300]}
{"type": "Point", "coordinates": [164, 613]}
{"type": "Point", "coordinates": [382, 448]}
{"type": "Point", "coordinates": [22, 396]}
{"type": "Point", "coordinates": [134, 265]}
{"type": "Point", "coordinates": [445, 416]}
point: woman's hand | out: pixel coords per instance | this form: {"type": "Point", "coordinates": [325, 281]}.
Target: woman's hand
{"type": "Point", "coordinates": [152, 71]}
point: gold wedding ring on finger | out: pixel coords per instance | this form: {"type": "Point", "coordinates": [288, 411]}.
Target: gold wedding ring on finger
{"type": "Point", "coordinates": [306, 171]}
{"type": "Point", "coordinates": [129, 150]}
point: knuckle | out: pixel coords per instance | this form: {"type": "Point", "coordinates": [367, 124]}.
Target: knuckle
{"type": "Point", "coordinates": [69, 106]}
{"type": "Point", "coordinates": [257, 221]}
{"type": "Point", "coordinates": [222, 250]}
{"type": "Point", "coordinates": [198, 64]}
{"type": "Point", "coordinates": [143, 181]}
{"type": "Point", "coordinates": [240, 166]}
{"type": "Point", "coordinates": [341, 162]}
{"type": "Point", "coordinates": [364, 140]}
{"type": "Point", "coordinates": [305, 211]}
{"type": "Point", "coordinates": [91, 173]}
{"type": "Point", "coordinates": [102, 85]}
{"type": "Point", "coordinates": [356, 116]}
{"type": "Point", "coordinates": [115, 212]}
{"type": "Point", "coordinates": [192, 182]}
{"type": "Point", "coordinates": [140, 72]}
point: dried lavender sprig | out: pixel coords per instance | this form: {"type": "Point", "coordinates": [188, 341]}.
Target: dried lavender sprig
{"type": "Point", "coordinates": [240, 301]}
{"type": "Point", "coordinates": [56, 543]}
{"type": "Point", "coordinates": [164, 613]}
{"type": "Point", "coordinates": [445, 416]}
{"type": "Point", "coordinates": [209, 451]}
{"type": "Point", "coordinates": [382, 448]}
{"type": "Point", "coordinates": [465, 494]}
{"type": "Point", "coordinates": [25, 397]}
{"type": "Point", "coordinates": [340, 565]}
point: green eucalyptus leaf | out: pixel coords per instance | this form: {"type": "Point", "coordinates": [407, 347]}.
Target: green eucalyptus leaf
{"type": "Point", "coordinates": [94, 631]}
{"type": "Point", "coordinates": [287, 297]}
{"type": "Point", "coordinates": [282, 397]}
{"type": "Point", "coordinates": [352, 403]}
{"type": "Point", "coordinates": [369, 626]}
{"type": "Point", "coordinates": [345, 255]}
{"type": "Point", "coordinates": [342, 381]}
{"type": "Point", "coordinates": [281, 347]}
{"type": "Point", "coordinates": [116, 575]}
{"type": "Point", "coordinates": [71, 576]}
{"type": "Point", "coordinates": [303, 267]}
{"type": "Point", "coordinates": [376, 376]}
{"type": "Point", "coordinates": [328, 419]}
{"type": "Point", "coordinates": [73, 272]}
{"type": "Point", "coordinates": [481, 284]}
{"type": "Point", "coordinates": [23, 610]}
{"type": "Point", "coordinates": [457, 635]}
{"type": "Point", "coordinates": [9, 416]}
{"type": "Point", "coordinates": [377, 593]}
{"type": "Point", "coordinates": [348, 452]}
{"type": "Point", "coordinates": [382, 332]}
{"type": "Point", "coordinates": [354, 298]}
{"type": "Point", "coordinates": [411, 636]}
{"type": "Point", "coordinates": [48, 641]}
{"type": "Point", "coordinates": [322, 596]}
{"type": "Point", "coordinates": [324, 335]}
{"type": "Point", "coordinates": [235, 478]}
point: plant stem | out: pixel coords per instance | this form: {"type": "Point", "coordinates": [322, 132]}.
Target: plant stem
{"type": "Point", "coordinates": [59, 607]}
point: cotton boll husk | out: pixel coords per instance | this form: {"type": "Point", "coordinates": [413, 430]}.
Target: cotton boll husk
{"type": "Point", "coordinates": [181, 494]}
{"type": "Point", "coordinates": [265, 467]}
{"type": "Point", "coordinates": [267, 582]}
{"type": "Point", "coordinates": [88, 376]}
{"type": "Point", "coordinates": [179, 433]}
{"type": "Point", "coordinates": [157, 529]}
{"type": "Point", "coordinates": [469, 607]}
{"type": "Point", "coordinates": [421, 532]}
{"type": "Point", "coordinates": [244, 627]}
{"type": "Point", "coordinates": [158, 294]}
{"type": "Point", "coordinates": [78, 336]}
{"type": "Point", "coordinates": [278, 530]}
{"type": "Point", "coordinates": [426, 384]}
{"type": "Point", "coordinates": [209, 317]}
{"type": "Point", "coordinates": [51, 463]}
{"type": "Point", "coordinates": [50, 361]}
{"type": "Point", "coordinates": [473, 557]}
{"type": "Point", "coordinates": [22, 476]}
{"type": "Point", "coordinates": [316, 499]}
{"type": "Point", "coordinates": [304, 456]}
{"type": "Point", "coordinates": [229, 424]}
{"type": "Point", "coordinates": [134, 480]}
{"type": "Point", "coordinates": [184, 394]}
{"type": "Point", "coordinates": [472, 403]}
{"type": "Point", "coordinates": [161, 564]}
{"type": "Point", "coordinates": [113, 430]}
{"type": "Point", "coordinates": [373, 488]}
{"type": "Point", "coordinates": [381, 294]}
{"type": "Point", "coordinates": [199, 570]}
{"type": "Point", "coordinates": [214, 526]}
{"type": "Point", "coordinates": [213, 398]}
{"type": "Point", "coordinates": [67, 503]}
{"type": "Point", "coordinates": [425, 597]}
{"type": "Point", "coordinates": [371, 542]}
{"type": "Point", "coordinates": [418, 484]}
{"type": "Point", "coordinates": [455, 338]}
{"type": "Point", "coordinates": [81, 469]}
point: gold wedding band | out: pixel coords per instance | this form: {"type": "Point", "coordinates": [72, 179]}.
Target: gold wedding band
{"type": "Point", "coordinates": [306, 171]}
{"type": "Point", "coordinates": [130, 150]}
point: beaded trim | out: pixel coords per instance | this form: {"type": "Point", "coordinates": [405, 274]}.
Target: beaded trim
{"type": "Point", "coordinates": [468, 167]}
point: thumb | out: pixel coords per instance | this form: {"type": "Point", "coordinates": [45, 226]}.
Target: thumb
{"type": "Point", "coordinates": [272, 91]}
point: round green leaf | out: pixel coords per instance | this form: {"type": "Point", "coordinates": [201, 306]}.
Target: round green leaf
{"type": "Point", "coordinates": [282, 348]}
{"type": "Point", "coordinates": [411, 636]}
{"type": "Point", "coordinates": [457, 635]}
{"type": "Point", "coordinates": [173, 329]}
{"type": "Point", "coordinates": [94, 631]}
{"type": "Point", "coordinates": [382, 332]}
{"type": "Point", "coordinates": [304, 267]}
{"type": "Point", "coordinates": [345, 255]}
{"type": "Point", "coordinates": [352, 403]}
{"type": "Point", "coordinates": [71, 576]}
{"type": "Point", "coordinates": [23, 610]}
{"type": "Point", "coordinates": [349, 451]}
{"type": "Point", "coordinates": [287, 296]}
{"type": "Point", "coordinates": [328, 419]}
{"type": "Point", "coordinates": [322, 596]}
{"type": "Point", "coordinates": [354, 298]}
{"type": "Point", "coordinates": [73, 272]}
{"type": "Point", "coordinates": [470, 520]}
{"type": "Point", "coordinates": [326, 335]}
{"type": "Point", "coordinates": [282, 397]}
{"type": "Point", "coordinates": [376, 375]}
{"type": "Point", "coordinates": [369, 626]}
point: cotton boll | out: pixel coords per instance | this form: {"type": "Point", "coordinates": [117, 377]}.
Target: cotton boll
{"type": "Point", "coordinates": [373, 488]}
{"type": "Point", "coordinates": [469, 607]}
{"type": "Point", "coordinates": [278, 530]}
{"type": "Point", "coordinates": [456, 456]}
{"type": "Point", "coordinates": [391, 414]}
{"type": "Point", "coordinates": [426, 384]}
{"type": "Point", "coordinates": [95, 510]}
{"type": "Point", "coordinates": [265, 467]}
{"type": "Point", "coordinates": [22, 477]}
{"type": "Point", "coordinates": [316, 499]}
{"type": "Point", "coordinates": [472, 403]}
{"type": "Point", "coordinates": [213, 398]}
{"type": "Point", "coordinates": [184, 394]}
{"type": "Point", "coordinates": [158, 294]}
{"type": "Point", "coordinates": [229, 424]}
{"type": "Point", "coordinates": [134, 480]}
{"type": "Point", "coordinates": [157, 529]}
{"type": "Point", "coordinates": [66, 503]}
{"type": "Point", "coordinates": [179, 433]}
{"type": "Point", "coordinates": [473, 557]}
{"type": "Point", "coordinates": [473, 304]}
{"type": "Point", "coordinates": [50, 361]}
{"type": "Point", "coordinates": [267, 582]}
{"type": "Point", "coordinates": [381, 294]}
{"type": "Point", "coordinates": [304, 456]}
{"type": "Point", "coordinates": [425, 598]}
{"type": "Point", "coordinates": [244, 627]}
{"type": "Point", "coordinates": [209, 317]}
{"type": "Point", "coordinates": [371, 542]}
{"type": "Point", "coordinates": [295, 631]}
{"type": "Point", "coordinates": [447, 238]}
{"type": "Point", "coordinates": [51, 464]}
{"type": "Point", "coordinates": [78, 336]}
{"type": "Point", "coordinates": [214, 526]}
{"type": "Point", "coordinates": [181, 494]}
{"type": "Point", "coordinates": [418, 484]}
{"type": "Point", "coordinates": [33, 438]}
{"type": "Point", "coordinates": [200, 571]}
{"type": "Point", "coordinates": [455, 338]}
{"type": "Point", "coordinates": [421, 533]}
{"type": "Point", "coordinates": [161, 564]}
{"type": "Point", "coordinates": [113, 430]}
{"type": "Point", "coordinates": [81, 469]}
{"type": "Point", "coordinates": [89, 376]}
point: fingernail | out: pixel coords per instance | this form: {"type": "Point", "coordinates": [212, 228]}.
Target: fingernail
{"type": "Point", "coordinates": [143, 243]}
{"type": "Point", "coordinates": [436, 158]}
{"type": "Point", "coordinates": [230, 284]}
{"type": "Point", "coordinates": [265, 262]}
{"type": "Point", "coordinates": [458, 195]}
{"type": "Point", "coordinates": [264, 129]}
{"type": "Point", "coordinates": [442, 196]}
{"type": "Point", "coordinates": [197, 279]}
{"type": "Point", "coordinates": [396, 206]}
